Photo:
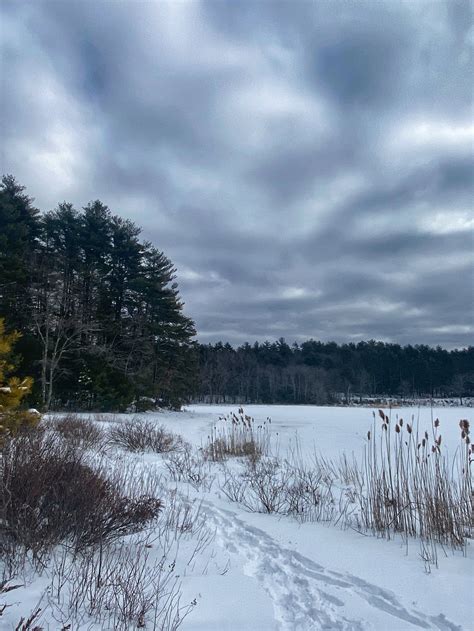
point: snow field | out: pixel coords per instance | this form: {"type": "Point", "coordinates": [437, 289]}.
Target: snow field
{"type": "Point", "coordinates": [251, 571]}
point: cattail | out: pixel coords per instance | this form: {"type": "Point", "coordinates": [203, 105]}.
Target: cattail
{"type": "Point", "coordinates": [423, 442]}
{"type": "Point", "coordinates": [397, 428]}
{"type": "Point", "coordinates": [368, 435]}
{"type": "Point", "coordinates": [409, 430]}
{"type": "Point", "coordinates": [382, 415]}
{"type": "Point", "coordinates": [438, 442]}
{"type": "Point", "coordinates": [401, 422]}
{"type": "Point", "coordinates": [433, 448]}
{"type": "Point", "coordinates": [436, 423]}
{"type": "Point", "coordinates": [426, 435]}
{"type": "Point", "coordinates": [468, 440]}
{"type": "Point", "coordinates": [384, 427]}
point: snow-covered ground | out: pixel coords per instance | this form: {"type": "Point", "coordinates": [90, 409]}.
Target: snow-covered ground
{"type": "Point", "coordinates": [263, 572]}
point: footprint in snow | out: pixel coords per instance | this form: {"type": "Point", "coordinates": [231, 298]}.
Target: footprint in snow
{"type": "Point", "coordinates": [307, 596]}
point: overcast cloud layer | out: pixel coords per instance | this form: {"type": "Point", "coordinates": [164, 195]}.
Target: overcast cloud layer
{"type": "Point", "coordinates": [308, 167]}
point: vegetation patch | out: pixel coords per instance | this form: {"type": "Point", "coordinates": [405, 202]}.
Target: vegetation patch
{"type": "Point", "coordinates": [142, 435]}
{"type": "Point", "coordinates": [49, 494]}
{"type": "Point", "coordinates": [77, 431]}
{"type": "Point", "coordinates": [237, 435]}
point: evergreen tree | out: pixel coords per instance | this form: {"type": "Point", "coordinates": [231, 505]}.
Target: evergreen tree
{"type": "Point", "coordinates": [19, 229]}
{"type": "Point", "coordinates": [100, 309]}
{"type": "Point", "coordinates": [12, 389]}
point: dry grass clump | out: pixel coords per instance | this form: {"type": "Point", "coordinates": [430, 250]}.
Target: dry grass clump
{"type": "Point", "coordinates": [142, 435]}
{"type": "Point", "coordinates": [49, 494]}
{"type": "Point", "coordinates": [237, 436]}
{"type": "Point", "coordinates": [413, 487]}
{"type": "Point", "coordinates": [77, 431]}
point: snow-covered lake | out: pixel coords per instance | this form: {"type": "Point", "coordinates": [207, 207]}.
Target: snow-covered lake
{"type": "Point", "coordinates": [270, 573]}
{"type": "Point", "coordinates": [329, 430]}
{"type": "Point", "coordinates": [312, 576]}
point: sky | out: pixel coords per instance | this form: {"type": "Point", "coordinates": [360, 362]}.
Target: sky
{"type": "Point", "coordinates": [307, 166]}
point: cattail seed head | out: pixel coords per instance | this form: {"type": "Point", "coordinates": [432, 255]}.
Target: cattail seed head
{"type": "Point", "coordinates": [401, 422]}
{"type": "Point", "coordinates": [382, 415]}
{"type": "Point", "coordinates": [397, 428]}
{"type": "Point", "coordinates": [368, 435]}
{"type": "Point", "coordinates": [436, 423]}
{"type": "Point", "coordinates": [409, 430]}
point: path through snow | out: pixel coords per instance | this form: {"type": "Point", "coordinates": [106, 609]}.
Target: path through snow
{"type": "Point", "coordinates": [307, 596]}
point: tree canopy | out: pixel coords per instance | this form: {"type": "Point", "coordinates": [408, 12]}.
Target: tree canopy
{"type": "Point", "coordinates": [99, 310]}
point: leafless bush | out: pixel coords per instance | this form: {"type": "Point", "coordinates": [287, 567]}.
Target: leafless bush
{"type": "Point", "coordinates": [119, 586]}
{"type": "Point", "coordinates": [50, 494]}
{"type": "Point", "coordinates": [143, 435]}
{"type": "Point", "coordinates": [286, 486]}
{"type": "Point", "coordinates": [28, 624]}
{"type": "Point", "coordinates": [186, 466]}
{"type": "Point", "coordinates": [77, 431]}
{"type": "Point", "coordinates": [132, 582]}
{"type": "Point", "coordinates": [234, 486]}
{"type": "Point", "coordinates": [268, 483]}
{"type": "Point", "coordinates": [261, 487]}
{"type": "Point", "coordinates": [236, 435]}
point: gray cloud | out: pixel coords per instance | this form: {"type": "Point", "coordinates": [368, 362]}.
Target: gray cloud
{"type": "Point", "coordinates": [308, 167]}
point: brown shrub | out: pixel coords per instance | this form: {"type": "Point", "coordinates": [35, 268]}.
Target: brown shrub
{"type": "Point", "coordinates": [143, 435]}
{"type": "Point", "coordinates": [77, 431]}
{"type": "Point", "coordinates": [50, 494]}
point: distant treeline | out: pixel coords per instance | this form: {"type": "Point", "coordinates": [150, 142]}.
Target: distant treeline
{"type": "Point", "coordinates": [99, 311]}
{"type": "Point", "coordinates": [318, 372]}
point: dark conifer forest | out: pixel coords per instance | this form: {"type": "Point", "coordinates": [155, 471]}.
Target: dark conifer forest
{"type": "Point", "coordinates": [99, 310]}
{"type": "Point", "coordinates": [103, 325]}
{"type": "Point", "coordinates": [325, 373]}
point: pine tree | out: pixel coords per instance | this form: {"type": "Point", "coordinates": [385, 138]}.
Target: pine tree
{"type": "Point", "coordinates": [19, 228]}
{"type": "Point", "coordinates": [12, 389]}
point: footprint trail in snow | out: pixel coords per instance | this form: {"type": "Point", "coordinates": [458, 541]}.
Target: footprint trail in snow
{"type": "Point", "coordinates": [307, 596]}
